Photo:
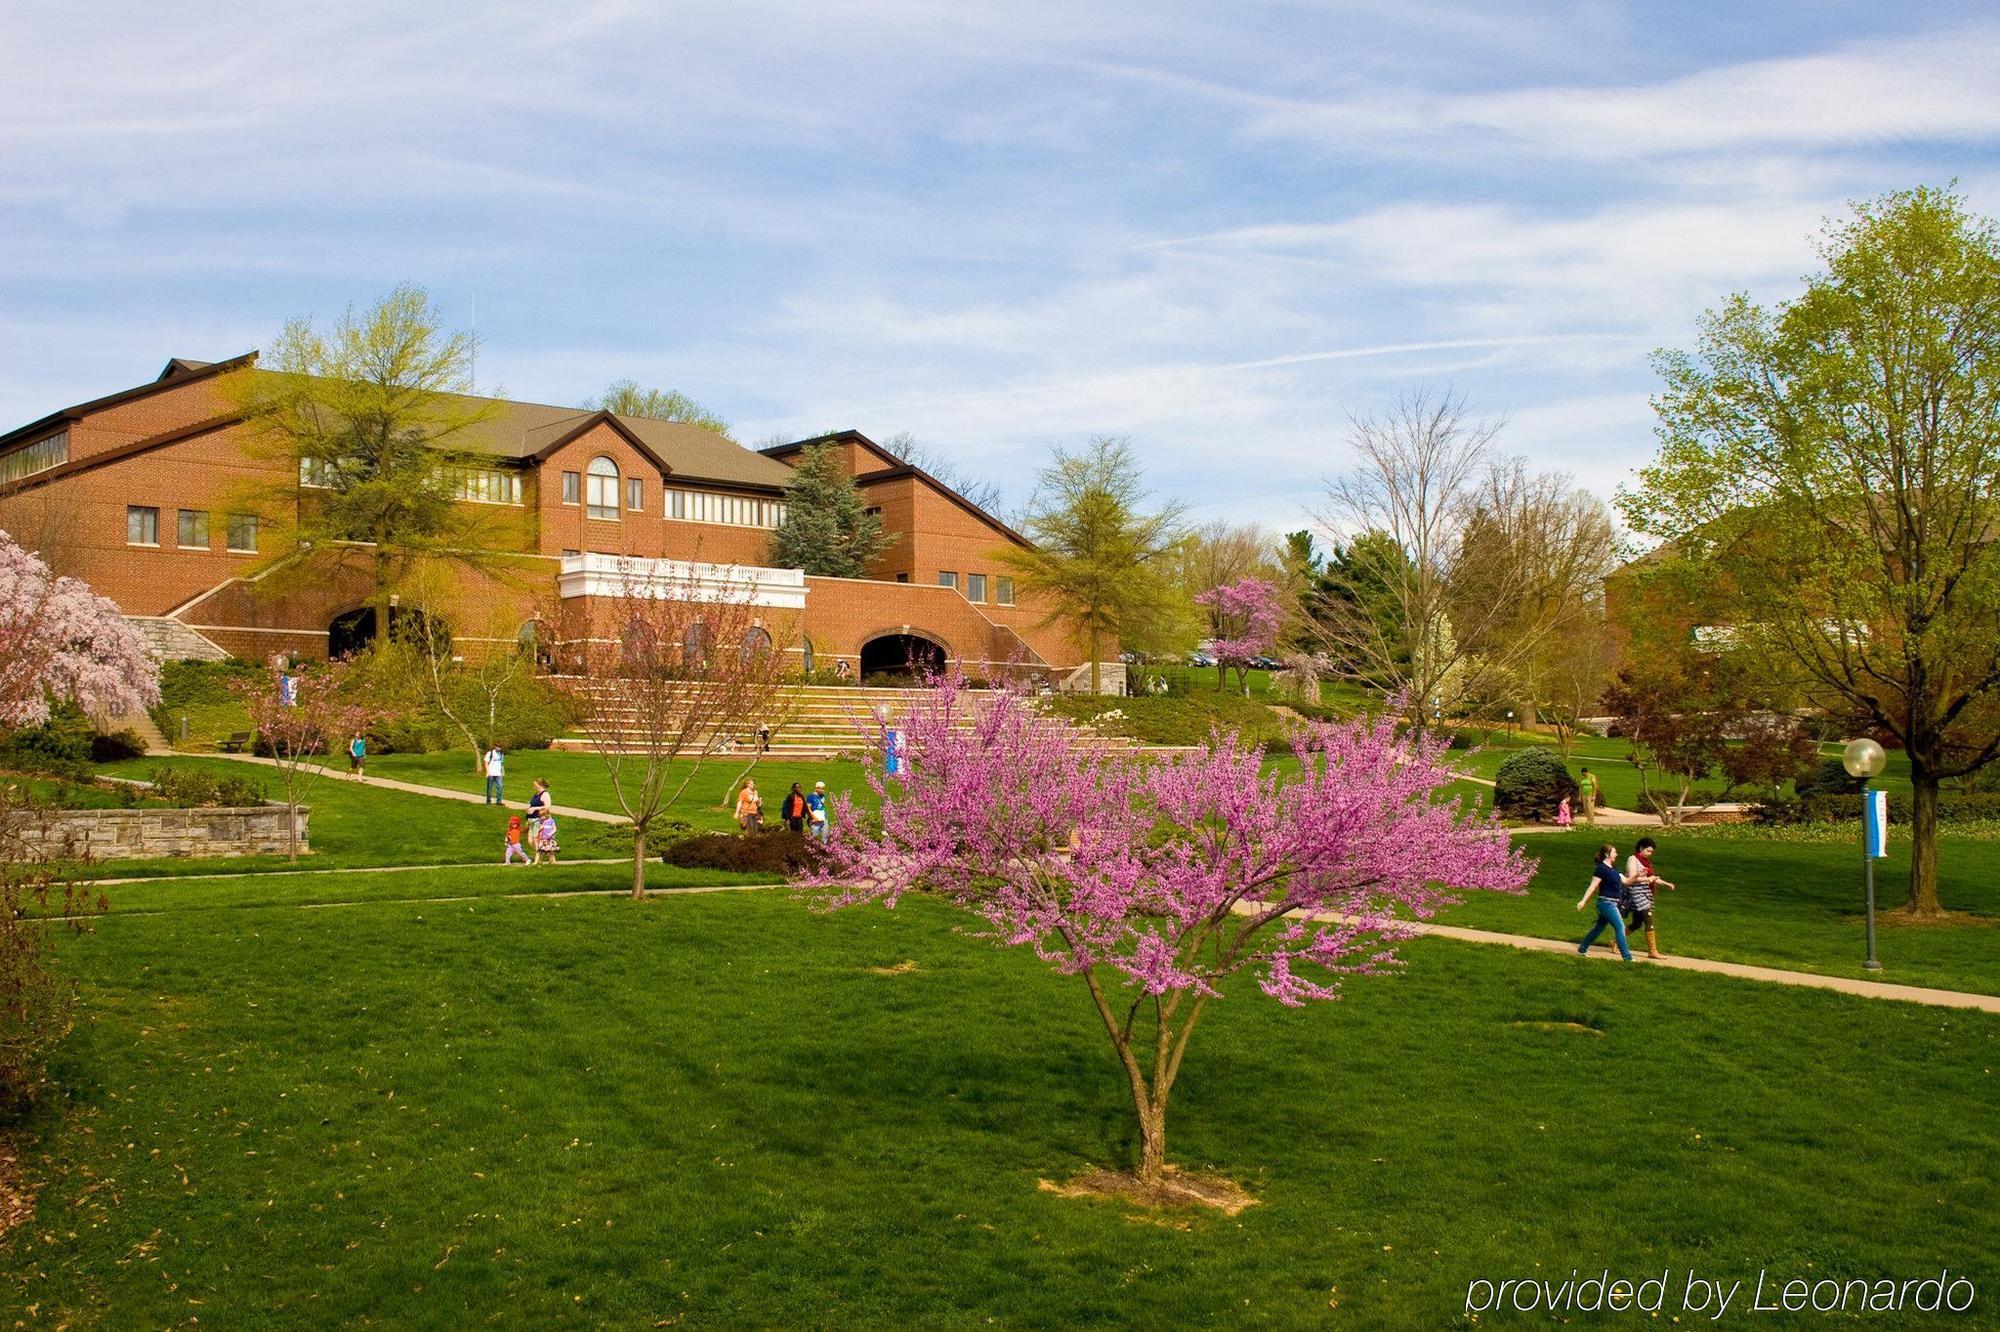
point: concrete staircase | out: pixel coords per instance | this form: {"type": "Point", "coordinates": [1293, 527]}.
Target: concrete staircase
{"type": "Point", "coordinates": [168, 639]}
{"type": "Point", "coordinates": [818, 721]}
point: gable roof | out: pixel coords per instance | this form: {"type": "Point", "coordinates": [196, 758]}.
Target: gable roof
{"type": "Point", "coordinates": [520, 431]}
{"type": "Point", "coordinates": [895, 469]}
{"type": "Point", "coordinates": [177, 373]}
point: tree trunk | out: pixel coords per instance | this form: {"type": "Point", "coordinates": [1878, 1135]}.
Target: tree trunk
{"type": "Point", "coordinates": [638, 864]}
{"type": "Point", "coordinates": [1095, 683]}
{"type": "Point", "coordinates": [292, 831]}
{"type": "Point", "coordinates": [1923, 842]}
{"type": "Point", "coordinates": [1152, 1143]}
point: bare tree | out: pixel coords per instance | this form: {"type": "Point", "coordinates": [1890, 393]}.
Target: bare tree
{"type": "Point", "coordinates": [668, 672]}
{"type": "Point", "coordinates": [982, 492]}
{"type": "Point", "coordinates": [1457, 564]}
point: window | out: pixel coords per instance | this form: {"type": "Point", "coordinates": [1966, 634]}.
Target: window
{"type": "Point", "coordinates": [601, 494]}
{"type": "Point", "coordinates": [486, 485]}
{"type": "Point", "coordinates": [37, 457]}
{"type": "Point", "coordinates": [316, 473]}
{"type": "Point", "coordinates": [1003, 590]}
{"type": "Point", "coordinates": [243, 533]}
{"type": "Point", "coordinates": [902, 578]}
{"type": "Point", "coordinates": [873, 511]}
{"type": "Point", "coordinates": [975, 587]}
{"type": "Point", "coordinates": [572, 488]}
{"type": "Point", "coordinates": [194, 528]}
{"type": "Point", "coordinates": [571, 554]}
{"type": "Point", "coordinates": [142, 526]}
{"type": "Point", "coordinates": [635, 494]}
{"type": "Point", "coordinates": [700, 506]}
{"type": "Point", "coordinates": [948, 580]}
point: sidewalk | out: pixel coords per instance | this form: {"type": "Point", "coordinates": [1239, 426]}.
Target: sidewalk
{"type": "Point", "coordinates": [414, 788]}
{"type": "Point", "coordinates": [1812, 980]}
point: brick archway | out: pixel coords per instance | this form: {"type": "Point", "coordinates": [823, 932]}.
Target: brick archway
{"type": "Point", "coordinates": [903, 650]}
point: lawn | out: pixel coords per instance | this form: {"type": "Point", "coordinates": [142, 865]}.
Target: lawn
{"type": "Point", "coordinates": [578, 777]}
{"type": "Point", "coordinates": [1777, 904]}
{"type": "Point", "coordinates": [715, 1110]}
{"type": "Point", "coordinates": [356, 825]}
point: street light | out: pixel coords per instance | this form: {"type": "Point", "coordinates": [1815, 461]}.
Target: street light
{"type": "Point", "coordinates": [1510, 725]}
{"type": "Point", "coordinates": [1864, 759]}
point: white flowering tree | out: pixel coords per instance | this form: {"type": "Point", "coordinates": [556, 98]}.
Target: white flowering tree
{"type": "Point", "coordinates": [61, 642]}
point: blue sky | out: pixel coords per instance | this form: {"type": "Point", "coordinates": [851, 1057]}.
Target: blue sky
{"type": "Point", "coordinates": [1217, 229]}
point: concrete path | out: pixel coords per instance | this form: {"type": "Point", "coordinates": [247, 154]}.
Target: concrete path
{"type": "Point", "coordinates": [1813, 980]}
{"type": "Point", "coordinates": [414, 788]}
{"type": "Point", "coordinates": [1607, 817]}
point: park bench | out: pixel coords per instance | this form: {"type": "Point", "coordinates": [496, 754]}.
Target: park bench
{"type": "Point", "coordinates": [235, 744]}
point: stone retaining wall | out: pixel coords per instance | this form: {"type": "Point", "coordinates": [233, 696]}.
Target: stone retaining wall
{"type": "Point", "coordinates": [126, 834]}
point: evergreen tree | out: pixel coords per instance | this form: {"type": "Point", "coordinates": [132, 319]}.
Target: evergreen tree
{"type": "Point", "coordinates": [827, 531]}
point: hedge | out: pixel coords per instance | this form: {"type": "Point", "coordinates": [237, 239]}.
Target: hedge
{"type": "Point", "coordinates": [1531, 784]}
{"type": "Point", "coordinates": [1953, 807]}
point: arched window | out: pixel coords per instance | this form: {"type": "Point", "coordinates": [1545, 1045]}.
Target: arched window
{"type": "Point", "coordinates": [601, 488]}
{"type": "Point", "coordinates": [756, 642]}
{"type": "Point", "coordinates": [695, 644]}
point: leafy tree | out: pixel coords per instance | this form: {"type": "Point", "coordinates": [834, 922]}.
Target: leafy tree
{"type": "Point", "coordinates": [828, 530]}
{"type": "Point", "coordinates": [1687, 723]}
{"type": "Point", "coordinates": [624, 397]}
{"type": "Point", "coordinates": [369, 421]}
{"type": "Point", "coordinates": [1153, 882]}
{"type": "Point", "coordinates": [1829, 482]}
{"type": "Point", "coordinates": [1098, 561]}
{"type": "Point", "coordinates": [1532, 784]}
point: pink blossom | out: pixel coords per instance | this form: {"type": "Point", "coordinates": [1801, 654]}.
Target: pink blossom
{"type": "Point", "coordinates": [59, 641]}
{"type": "Point", "coordinates": [1161, 878]}
{"type": "Point", "coordinates": [1246, 616]}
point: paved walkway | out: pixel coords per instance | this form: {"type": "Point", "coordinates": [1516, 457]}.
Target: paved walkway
{"type": "Point", "coordinates": [414, 788]}
{"type": "Point", "coordinates": [1812, 980]}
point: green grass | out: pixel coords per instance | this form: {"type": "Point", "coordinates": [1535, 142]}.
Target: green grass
{"type": "Point", "coordinates": [578, 777]}
{"type": "Point", "coordinates": [388, 884]}
{"type": "Point", "coordinates": [1778, 904]}
{"type": "Point", "coordinates": [356, 825]}
{"type": "Point", "coordinates": [708, 1110]}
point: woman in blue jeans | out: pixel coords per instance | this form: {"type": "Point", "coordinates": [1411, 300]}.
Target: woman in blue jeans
{"type": "Point", "coordinates": [1609, 889]}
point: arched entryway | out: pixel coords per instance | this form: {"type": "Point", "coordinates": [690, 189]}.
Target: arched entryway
{"type": "Point", "coordinates": [350, 631]}
{"type": "Point", "coordinates": [902, 654]}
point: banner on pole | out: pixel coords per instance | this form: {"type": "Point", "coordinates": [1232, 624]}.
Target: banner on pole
{"type": "Point", "coordinates": [1875, 823]}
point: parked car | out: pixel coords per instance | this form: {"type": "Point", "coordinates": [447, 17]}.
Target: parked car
{"type": "Point", "coordinates": [1263, 663]}
{"type": "Point", "coordinates": [1200, 659]}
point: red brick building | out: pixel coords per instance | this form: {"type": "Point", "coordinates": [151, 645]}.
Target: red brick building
{"type": "Point", "coordinates": [161, 498]}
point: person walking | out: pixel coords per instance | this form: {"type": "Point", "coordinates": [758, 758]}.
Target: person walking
{"type": "Point", "coordinates": [1640, 881]}
{"type": "Point", "coordinates": [515, 833]}
{"type": "Point", "coordinates": [793, 810]}
{"type": "Point", "coordinates": [1609, 889]}
{"type": "Point", "coordinates": [1563, 817]}
{"type": "Point", "coordinates": [496, 776]}
{"type": "Point", "coordinates": [545, 839]}
{"type": "Point", "coordinates": [749, 807]}
{"type": "Point", "coordinates": [819, 818]}
{"type": "Point", "coordinates": [539, 803]}
{"type": "Point", "coordinates": [357, 755]}
{"type": "Point", "coordinates": [1586, 789]}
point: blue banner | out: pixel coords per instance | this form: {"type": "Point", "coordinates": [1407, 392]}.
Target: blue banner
{"type": "Point", "coordinates": [1875, 823]}
{"type": "Point", "coordinates": [892, 750]}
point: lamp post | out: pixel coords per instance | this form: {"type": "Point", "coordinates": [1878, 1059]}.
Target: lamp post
{"type": "Point", "coordinates": [1510, 725]}
{"type": "Point", "coordinates": [1864, 759]}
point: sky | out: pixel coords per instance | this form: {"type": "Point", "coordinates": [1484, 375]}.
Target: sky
{"type": "Point", "coordinates": [1222, 231]}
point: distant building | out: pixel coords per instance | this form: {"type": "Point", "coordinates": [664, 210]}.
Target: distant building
{"type": "Point", "coordinates": [145, 494]}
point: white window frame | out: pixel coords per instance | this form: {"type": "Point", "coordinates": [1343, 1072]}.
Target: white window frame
{"type": "Point", "coordinates": [133, 511]}
{"type": "Point", "coordinates": [602, 497]}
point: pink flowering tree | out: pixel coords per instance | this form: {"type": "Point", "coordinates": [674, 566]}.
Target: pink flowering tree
{"type": "Point", "coordinates": [59, 641]}
{"type": "Point", "coordinates": [1153, 882]}
{"type": "Point", "coordinates": [1245, 617]}
{"type": "Point", "coordinates": [302, 715]}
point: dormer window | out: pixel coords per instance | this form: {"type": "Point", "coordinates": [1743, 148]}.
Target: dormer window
{"type": "Point", "coordinates": [601, 488]}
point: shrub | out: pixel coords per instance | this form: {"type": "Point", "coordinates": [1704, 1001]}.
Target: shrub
{"type": "Point", "coordinates": [189, 788]}
{"type": "Point", "coordinates": [1531, 784]}
{"type": "Point", "coordinates": [40, 896]}
{"type": "Point", "coordinates": [113, 746]}
{"type": "Point", "coordinates": [773, 851]}
{"type": "Point", "coordinates": [1830, 778]}
{"type": "Point", "coordinates": [59, 745]}
{"type": "Point", "coordinates": [1953, 807]}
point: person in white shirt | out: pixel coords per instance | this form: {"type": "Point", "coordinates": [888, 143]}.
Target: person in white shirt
{"type": "Point", "coordinates": [496, 776]}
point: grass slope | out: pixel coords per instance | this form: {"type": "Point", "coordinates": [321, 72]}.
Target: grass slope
{"type": "Point", "coordinates": [709, 1110]}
